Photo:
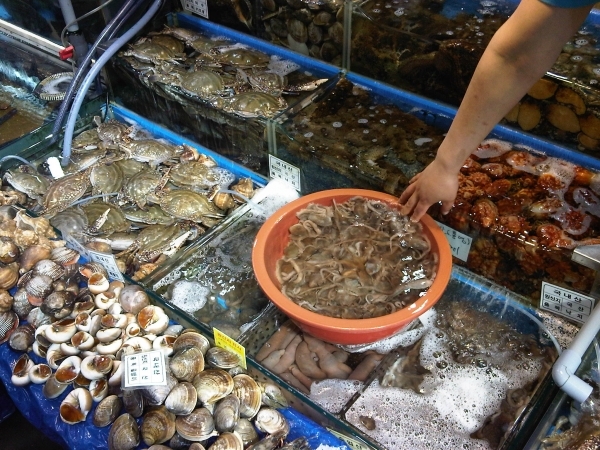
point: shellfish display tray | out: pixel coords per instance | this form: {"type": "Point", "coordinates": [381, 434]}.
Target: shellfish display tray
{"type": "Point", "coordinates": [123, 158]}
{"type": "Point", "coordinates": [215, 85]}
{"type": "Point", "coordinates": [433, 48]}
{"type": "Point", "coordinates": [473, 373]}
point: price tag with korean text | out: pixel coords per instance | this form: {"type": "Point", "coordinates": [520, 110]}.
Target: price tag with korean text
{"type": "Point", "coordinates": [460, 243]}
{"type": "Point", "coordinates": [199, 7]}
{"type": "Point", "coordinates": [566, 303]}
{"type": "Point", "coordinates": [144, 369]}
{"type": "Point", "coordinates": [73, 243]}
{"type": "Point", "coordinates": [278, 168]}
{"type": "Point", "coordinates": [224, 341]}
{"type": "Point", "coordinates": [354, 444]}
{"type": "Point", "coordinates": [109, 262]}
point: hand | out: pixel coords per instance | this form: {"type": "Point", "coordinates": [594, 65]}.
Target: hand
{"type": "Point", "coordinates": [434, 184]}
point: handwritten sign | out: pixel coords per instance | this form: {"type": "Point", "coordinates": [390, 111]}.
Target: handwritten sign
{"type": "Point", "coordinates": [144, 369]}
{"type": "Point", "coordinates": [566, 303]}
{"type": "Point", "coordinates": [278, 168]}
{"type": "Point", "coordinates": [460, 243]}
{"type": "Point", "coordinates": [224, 341]}
{"type": "Point", "coordinates": [199, 7]}
{"type": "Point", "coordinates": [109, 262]}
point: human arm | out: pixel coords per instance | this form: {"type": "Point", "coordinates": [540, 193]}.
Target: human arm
{"type": "Point", "coordinates": [518, 55]}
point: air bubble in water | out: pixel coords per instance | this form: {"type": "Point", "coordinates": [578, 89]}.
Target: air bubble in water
{"type": "Point", "coordinates": [336, 124]}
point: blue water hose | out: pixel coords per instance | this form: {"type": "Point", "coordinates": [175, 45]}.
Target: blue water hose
{"type": "Point", "coordinates": [113, 26]}
{"type": "Point", "coordinates": [110, 51]}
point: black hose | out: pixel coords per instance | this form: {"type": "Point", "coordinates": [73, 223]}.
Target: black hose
{"type": "Point", "coordinates": [113, 26]}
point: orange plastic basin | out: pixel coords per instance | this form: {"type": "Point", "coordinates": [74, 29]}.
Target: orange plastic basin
{"type": "Point", "coordinates": [272, 239]}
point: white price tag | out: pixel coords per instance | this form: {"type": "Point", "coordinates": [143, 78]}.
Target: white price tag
{"type": "Point", "coordinates": [566, 303]}
{"type": "Point", "coordinates": [352, 443]}
{"type": "Point", "coordinates": [460, 243]}
{"type": "Point", "coordinates": [109, 262]}
{"type": "Point", "coordinates": [73, 243]}
{"type": "Point", "coordinates": [278, 168]}
{"type": "Point", "coordinates": [199, 7]}
{"type": "Point", "coordinates": [144, 369]}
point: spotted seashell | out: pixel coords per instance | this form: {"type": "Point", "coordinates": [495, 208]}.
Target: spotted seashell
{"type": "Point", "coordinates": [212, 385]}
{"type": "Point", "coordinates": [22, 336]}
{"type": "Point", "coordinates": [124, 433]}
{"type": "Point", "coordinates": [197, 426]}
{"type": "Point", "coordinates": [107, 411]}
{"type": "Point", "coordinates": [20, 305]}
{"type": "Point", "coordinates": [64, 256]}
{"type": "Point", "coordinates": [58, 304]}
{"type": "Point", "coordinates": [221, 358]}
{"type": "Point", "coordinates": [49, 268]}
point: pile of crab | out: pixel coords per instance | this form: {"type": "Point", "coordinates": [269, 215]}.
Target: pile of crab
{"type": "Point", "coordinates": [188, 67]}
{"type": "Point", "coordinates": [141, 199]}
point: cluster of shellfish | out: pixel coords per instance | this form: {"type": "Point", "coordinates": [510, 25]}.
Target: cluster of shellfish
{"type": "Point", "coordinates": [141, 199]}
{"type": "Point", "coordinates": [310, 28]}
{"type": "Point", "coordinates": [301, 359]}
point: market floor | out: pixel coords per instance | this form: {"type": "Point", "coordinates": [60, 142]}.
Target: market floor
{"type": "Point", "coordinates": [17, 433]}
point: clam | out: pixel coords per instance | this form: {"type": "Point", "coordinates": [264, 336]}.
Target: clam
{"type": "Point", "coordinates": [49, 268]}
{"type": "Point", "coordinates": [38, 288]}
{"type": "Point", "coordinates": [68, 349]}
{"type": "Point", "coordinates": [9, 275]}
{"type": "Point", "coordinates": [156, 395]}
{"type": "Point", "coordinates": [114, 320]}
{"type": "Point", "coordinates": [37, 318]}
{"type": "Point", "coordinates": [22, 337]}
{"type": "Point", "coordinates": [53, 388]}
{"type": "Point", "coordinates": [76, 405]}
{"type": "Point", "coordinates": [83, 307]}
{"type": "Point", "coordinates": [98, 389]}
{"type": "Point", "coordinates": [187, 363]}
{"type": "Point", "coordinates": [54, 356]}
{"type": "Point", "coordinates": [133, 298]}
{"type": "Point", "coordinates": [94, 367]}
{"type": "Point", "coordinates": [249, 393]}
{"type": "Point", "coordinates": [196, 426]}
{"type": "Point", "coordinates": [227, 413]}
{"type": "Point", "coordinates": [191, 339]}
{"type": "Point", "coordinates": [68, 369]}
{"type": "Point", "coordinates": [124, 433]}
{"type": "Point", "coordinates": [246, 432]}
{"type": "Point", "coordinates": [9, 251]}
{"type": "Point", "coordinates": [31, 255]}
{"type": "Point", "coordinates": [64, 256]}
{"type": "Point", "coordinates": [39, 373]}
{"type": "Point", "coordinates": [107, 411]}
{"type": "Point", "coordinates": [132, 330]}
{"type": "Point", "coordinates": [182, 399]}
{"type": "Point", "coordinates": [116, 373]}
{"type": "Point", "coordinates": [135, 345]}
{"type": "Point", "coordinates": [21, 304]}
{"type": "Point", "coordinates": [98, 283]}
{"type": "Point", "coordinates": [228, 441]}
{"type": "Point", "coordinates": [81, 382]}
{"type": "Point", "coordinates": [271, 421]}
{"type": "Point", "coordinates": [58, 304]}
{"type": "Point", "coordinates": [109, 334]}
{"type": "Point", "coordinates": [297, 30]}
{"type": "Point", "coordinates": [272, 395]}
{"type": "Point", "coordinates": [221, 358]}
{"type": "Point", "coordinates": [165, 344]}
{"type": "Point", "coordinates": [158, 426]}
{"type": "Point", "coordinates": [133, 402]}
{"type": "Point", "coordinates": [20, 371]}
{"type": "Point", "coordinates": [152, 319]}
{"type": "Point", "coordinates": [61, 331]}
{"type": "Point", "coordinates": [39, 349]}
{"type": "Point", "coordinates": [212, 385]}
{"type": "Point", "coordinates": [173, 330]}
{"type": "Point", "coordinates": [91, 268]}
{"type": "Point", "coordinates": [105, 300]}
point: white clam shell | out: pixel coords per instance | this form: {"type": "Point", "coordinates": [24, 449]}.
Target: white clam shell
{"type": "Point", "coordinates": [114, 320]}
{"type": "Point", "coordinates": [164, 343]}
{"type": "Point", "coordinates": [68, 349]}
{"type": "Point", "coordinates": [83, 340]}
{"type": "Point", "coordinates": [105, 300]}
{"type": "Point", "coordinates": [98, 283]}
{"type": "Point", "coordinates": [76, 405]}
{"type": "Point", "coordinates": [61, 331]}
{"type": "Point", "coordinates": [20, 371]}
{"type": "Point", "coordinates": [39, 349]}
{"type": "Point", "coordinates": [138, 344]}
{"type": "Point", "coordinates": [132, 330]}
{"type": "Point", "coordinates": [39, 373]}
{"type": "Point", "coordinates": [82, 322]}
{"type": "Point", "coordinates": [116, 373]}
{"type": "Point", "coordinates": [109, 348]}
{"type": "Point", "coordinates": [99, 389]}
{"type": "Point", "coordinates": [54, 356]}
{"type": "Point", "coordinates": [152, 319]}
{"type": "Point", "coordinates": [94, 367]}
{"type": "Point", "coordinates": [107, 335]}
{"type": "Point", "coordinates": [53, 388]}
{"type": "Point", "coordinates": [68, 370]}
{"type": "Point", "coordinates": [115, 309]}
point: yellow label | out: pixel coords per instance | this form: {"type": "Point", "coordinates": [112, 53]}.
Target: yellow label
{"type": "Point", "coordinates": [224, 341]}
{"type": "Point", "coordinates": [352, 443]}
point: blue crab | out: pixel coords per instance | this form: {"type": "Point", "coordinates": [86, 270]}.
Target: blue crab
{"type": "Point", "coordinates": [251, 104]}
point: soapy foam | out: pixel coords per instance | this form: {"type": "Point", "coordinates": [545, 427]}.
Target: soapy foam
{"type": "Point", "coordinates": [189, 296]}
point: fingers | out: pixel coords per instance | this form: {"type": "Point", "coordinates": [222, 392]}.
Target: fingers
{"type": "Point", "coordinates": [408, 192]}
{"type": "Point", "coordinates": [446, 207]}
{"type": "Point", "coordinates": [419, 211]}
